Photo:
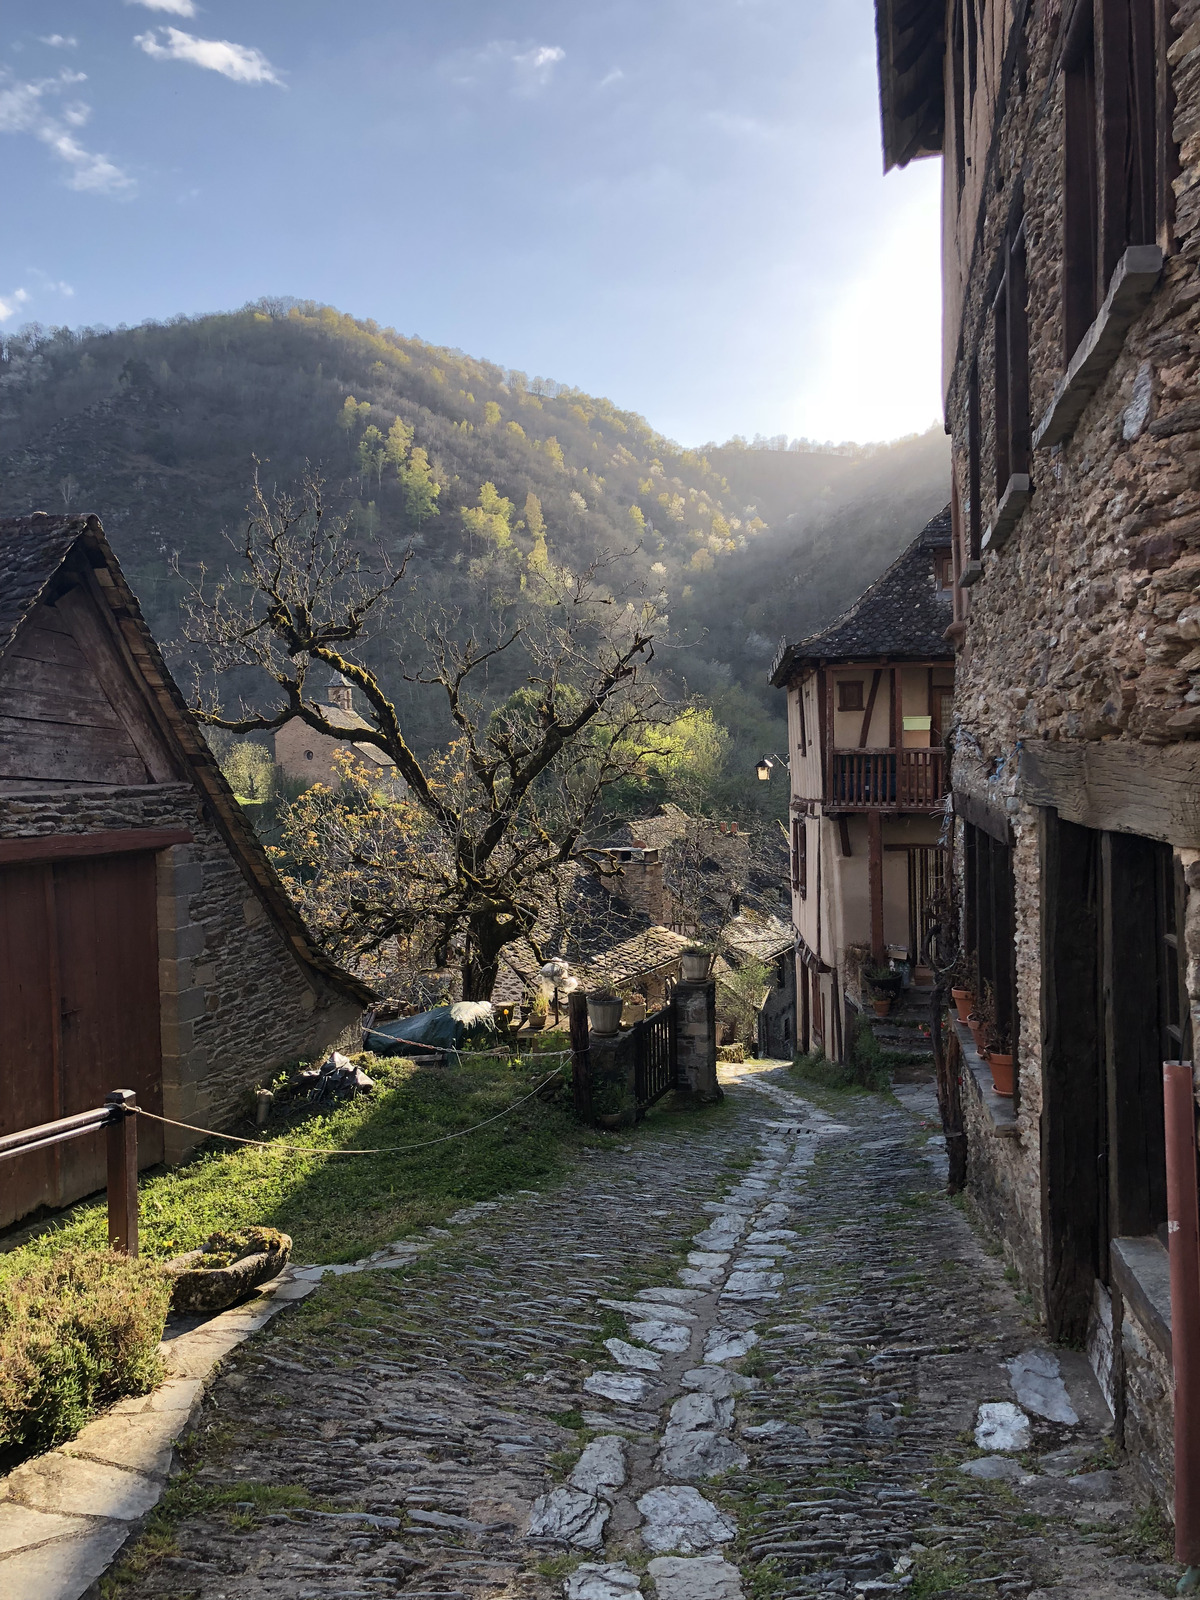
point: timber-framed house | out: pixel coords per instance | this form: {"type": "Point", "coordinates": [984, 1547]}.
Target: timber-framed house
{"type": "Point", "coordinates": [869, 701]}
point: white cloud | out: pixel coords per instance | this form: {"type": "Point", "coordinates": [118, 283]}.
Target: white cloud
{"type": "Point", "coordinates": [237, 61]}
{"type": "Point", "coordinates": [59, 41]}
{"type": "Point", "coordinates": [11, 303]}
{"type": "Point", "coordinates": [529, 67]}
{"type": "Point", "coordinates": [176, 8]}
{"type": "Point", "coordinates": [614, 76]}
{"type": "Point", "coordinates": [23, 109]}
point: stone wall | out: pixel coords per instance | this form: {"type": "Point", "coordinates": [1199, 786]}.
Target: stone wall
{"type": "Point", "coordinates": [237, 1004]}
{"type": "Point", "coordinates": [1085, 623]}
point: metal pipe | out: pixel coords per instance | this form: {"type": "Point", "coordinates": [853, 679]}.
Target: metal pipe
{"type": "Point", "coordinates": [1183, 1231]}
{"type": "Point", "coordinates": [14, 1144]}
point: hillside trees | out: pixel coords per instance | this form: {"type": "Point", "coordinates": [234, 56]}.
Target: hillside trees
{"type": "Point", "coordinates": [483, 829]}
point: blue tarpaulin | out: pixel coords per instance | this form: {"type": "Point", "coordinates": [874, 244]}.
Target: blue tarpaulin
{"type": "Point", "coordinates": [444, 1028]}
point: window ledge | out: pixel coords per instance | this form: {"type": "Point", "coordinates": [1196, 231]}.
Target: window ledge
{"type": "Point", "coordinates": [998, 1108]}
{"type": "Point", "coordinates": [971, 573]}
{"type": "Point", "coordinates": [1132, 284]}
{"type": "Point", "coordinates": [1008, 513]}
{"type": "Point", "coordinates": [1141, 1270]}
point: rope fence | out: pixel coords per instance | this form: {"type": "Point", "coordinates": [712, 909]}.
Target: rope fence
{"type": "Point", "coordinates": [325, 1150]}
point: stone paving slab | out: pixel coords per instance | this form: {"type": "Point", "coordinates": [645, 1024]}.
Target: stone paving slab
{"type": "Point", "coordinates": [436, 1409]}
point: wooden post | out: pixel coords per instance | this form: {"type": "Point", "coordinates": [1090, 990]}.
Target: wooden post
{"type": "Point", "coordinates": [122, 1172]}
{"type": "Point", "coordinates": [581, 1065]}
{"type": "Point", "coordinates": [875, 880]}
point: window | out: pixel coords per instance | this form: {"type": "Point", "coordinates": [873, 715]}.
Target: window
{"type": "Point", "coordinates": [308, 755]}
{"type": "Point", "coordinates": [850, 695]}
{"type": "Point", "coordinates": [800, 856]}
{"type": "Point", "coordinates": [1011, 327]}
{"type": "Point", "coordinates": [1118, 153]}
{"type": "Point", "coordinates": [988, 935]}
{"type": "Point", "coordinates": [943, 569]}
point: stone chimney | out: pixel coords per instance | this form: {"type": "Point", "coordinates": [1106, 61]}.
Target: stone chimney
{"type": "Point", "coordinates": [341, 693]}
{"type": "Point", "coordinates": [640, 884]}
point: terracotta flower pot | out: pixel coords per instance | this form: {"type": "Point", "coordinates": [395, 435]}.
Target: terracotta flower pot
{"type": "Point", "coordinates": [977, 1033]}
{"type": "Point", "coordinates": [1002, 1072]}
{"type": "Point", "coordinates": [964, 1003]}
{"type": "Point", "coordinates": [882, 1006]}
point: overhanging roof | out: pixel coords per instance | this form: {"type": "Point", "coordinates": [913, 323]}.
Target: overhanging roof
{"type": "Point", "coordinates": [911, 40]}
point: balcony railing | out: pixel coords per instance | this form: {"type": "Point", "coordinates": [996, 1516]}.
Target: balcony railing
{"type": "Point", "coordinates": [887, 780]}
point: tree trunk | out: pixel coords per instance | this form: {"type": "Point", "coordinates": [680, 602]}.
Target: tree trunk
{"type": "Point", "coordinates": [480, 965]}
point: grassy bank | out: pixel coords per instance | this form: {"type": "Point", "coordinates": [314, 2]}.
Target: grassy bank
{"type": "Point", "coordinates": [338, 1208]}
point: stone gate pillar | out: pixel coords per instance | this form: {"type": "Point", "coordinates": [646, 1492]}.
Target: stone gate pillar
{"type": "Point", "coordinates": [694, 1007]}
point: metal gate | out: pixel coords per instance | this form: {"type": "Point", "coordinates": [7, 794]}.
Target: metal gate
{"type": "Point", "coordinates": [926, 879]}
{"type": "Point", "coordinates": [654, 1058]}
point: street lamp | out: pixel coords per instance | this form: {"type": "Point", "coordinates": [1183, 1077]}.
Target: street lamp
{"type": "Point", "coordinates": [765, 765]}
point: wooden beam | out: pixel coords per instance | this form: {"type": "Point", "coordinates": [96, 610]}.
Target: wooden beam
{"type": "Point", "coordinates": [1117, 787]}
{"type": "Point", "coordinates": [985, 814]}
{"type": "Point", "coordinates": [844, 834]}
{"type": "Point", "coordinates": [875, 879]}
{"type": "Point", "coordinates": [870, 710]}
{"type": "Point", "coordinates": [75, 846]}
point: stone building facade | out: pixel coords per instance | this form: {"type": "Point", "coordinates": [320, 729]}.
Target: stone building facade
{"type": "Point", "coordinates": [1070, 135]}
{"type": "Point", "coordinates": [145, 940]}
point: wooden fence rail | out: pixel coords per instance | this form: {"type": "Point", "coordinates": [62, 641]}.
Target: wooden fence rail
{"type": "Point", "coordinates": [119, 1115]}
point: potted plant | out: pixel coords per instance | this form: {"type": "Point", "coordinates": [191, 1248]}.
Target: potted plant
{"type": "Point", "coordinates": [983, 1019]}
{"type": "Point", "coordinates": [604, 1011]}
{"type": "Point", "coordinates": [966, 976]}
{"type": "Point", "coordinates": [999, 1059]}
{"type": "Point", "coordinates": [696, 962]}
{"type": "Point", "coordinates": [539, 1012]}
{"type": "Point", "coordinates": [885, 985]}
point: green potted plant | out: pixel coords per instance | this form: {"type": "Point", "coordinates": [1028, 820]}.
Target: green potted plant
{"type": "Point", "coordinates": [966, 976]}
{"type": "Point", "coordinates": [539, 1012]}
{"type": "Point", "coordinates": [885, 988]}
{"type": "Point", "coordinates": [999, 1058]}
{"type": "Point", "coordinates": [604, 1011]}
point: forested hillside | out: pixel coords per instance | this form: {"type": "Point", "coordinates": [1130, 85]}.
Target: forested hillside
{"type": "Point", "coordinates": [480, 468]}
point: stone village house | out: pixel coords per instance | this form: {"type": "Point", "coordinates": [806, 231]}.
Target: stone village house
{"type": "Point", "coordinates": [1070, 135]}
{"type": "Point", "coordinates": [145, 941]}
{"type": "Point", "coordinates": [307, 757]}
{"type": "Point", "coordinates": [868, 702]}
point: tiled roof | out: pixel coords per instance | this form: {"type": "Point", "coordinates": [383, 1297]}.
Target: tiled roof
{"type": "Point", "coordinates": [349, 721]}
{"type": "Point", "coordinates": [634, 958]}
{"type": "Point", "coordinates": [757, 935]}
{"type": "Point", "coordinates": [903, 615]}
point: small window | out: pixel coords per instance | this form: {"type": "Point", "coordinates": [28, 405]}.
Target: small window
{"type": "Point", "coordinates": [800, 856]}
{"type": "Point", "coordinates": [1011, 366]}
{"type": "Point", "coordinates": [308, 755]}
{"type": "Point", "coordinates": [850, 695]}
{"type": "Point", "coordinates": [943, 567]}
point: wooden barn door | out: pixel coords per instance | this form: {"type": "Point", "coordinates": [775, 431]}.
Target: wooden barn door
{"type": "Point", "coordinates": [79, 1014]}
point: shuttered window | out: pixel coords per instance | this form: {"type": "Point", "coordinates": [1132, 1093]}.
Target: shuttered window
{"type": "Point", "coordinates": [1011, 366]}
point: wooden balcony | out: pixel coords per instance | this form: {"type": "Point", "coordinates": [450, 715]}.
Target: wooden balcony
{"type": "Point", "coordinates": [887, 780]}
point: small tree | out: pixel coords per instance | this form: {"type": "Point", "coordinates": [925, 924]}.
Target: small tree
{"type": "Point", "coordinates": [504, 811]}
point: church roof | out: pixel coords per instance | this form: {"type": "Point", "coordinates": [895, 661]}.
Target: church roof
{"type": "Point", "coordinates": [902, 616]}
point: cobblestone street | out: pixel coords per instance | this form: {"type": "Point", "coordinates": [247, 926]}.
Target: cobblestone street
{"type": "Point", "coordinates": [741, 1352]}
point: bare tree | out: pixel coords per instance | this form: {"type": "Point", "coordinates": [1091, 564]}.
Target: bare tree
{"type": "Point", "coordinates": [503, 810]}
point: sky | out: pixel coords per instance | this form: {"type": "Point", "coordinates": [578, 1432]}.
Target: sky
{"type": "Point", "coordinates": [678, 204]}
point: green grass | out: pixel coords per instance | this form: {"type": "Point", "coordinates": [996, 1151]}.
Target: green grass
{"type": "Point", "coordinates": [338, 1208]}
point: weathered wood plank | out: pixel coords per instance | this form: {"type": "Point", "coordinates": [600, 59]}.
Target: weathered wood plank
{"type": "Point", "coordinates": [35, 643]}
{"type": "Point", "coordinates": [74, 846]}
{"type": "Point", "coordinates": [984, 814]}
{"type": "Point", "coordinates": [51, 691]}
{"type": "Point", "coordinates": [48, 786]}
{"type": "Point", "coordinates": [68, 752]}
{"type": "Point", "coordinates": [115, 679]}
{"type": "Point", "coordinates": [1117, 787]}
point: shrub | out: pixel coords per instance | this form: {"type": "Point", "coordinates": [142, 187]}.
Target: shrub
{"type": "Point", "coordinates": [76, 1333]}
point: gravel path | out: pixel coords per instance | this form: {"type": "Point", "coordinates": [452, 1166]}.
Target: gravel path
{"type": "Point", "coordinates": [743, 1353]}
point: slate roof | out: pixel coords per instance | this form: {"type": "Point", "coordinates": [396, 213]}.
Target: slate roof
{"type": "Point", "coordinates": [902, 616]}
{"type": "Point", "coordinates": [651, 951]}
{"type": "Point", "coordinates": [760, 936]}
{"type": "Point", "coordinates": [32, 549]}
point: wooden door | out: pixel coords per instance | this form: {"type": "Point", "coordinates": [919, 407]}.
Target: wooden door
{"type": "Point", "coordinates": [79, 1014]}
